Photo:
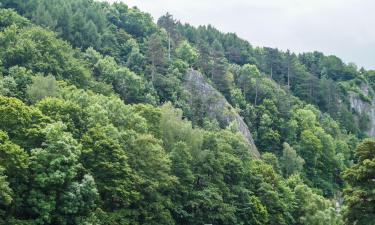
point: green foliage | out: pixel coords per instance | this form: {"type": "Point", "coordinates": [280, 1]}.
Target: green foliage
{"type": "Point", "coordinates": [8, 87]}
{"type": "Point", "coordinates": [22, 77]}
{"type": "Point", "coordinates": [22, 123]}
{"type": "Point", "coordinates": [273, 193]}
{"type": "Point", "coordinates": [187, 53]}
{"type": "Point", "coordinates": [131, 87]}
{"type": "Point", "coordinates": [359, 196]}
{"type": "Point", "coordinates": [272, 160]}
{"type": "Point", "coordinates": [6, 191]}
{"type": "Point", "coordinates": [156, 54]}
{"type": "Point", "coordinates": [151, 163]}
{"type": "Point", "coordinates": [38, 50]}
{"type": "Point", "coordinates": [81, 154]}
{"type": "Point", "coordinates": [103, 156]}
{"type": "Point", "coordinates": [290, 161]}
{"type": "Point", "coordinates": [314, 209]}
{"type": "Point", "coordinates": [137, 23]}
{"type": "Point", "coordinates": [14, 179]}
{"type": "Point", "coordinates": [42, 87]}
{"type": "Point", "coordinates": [60, 192]}
{"type": "Point", "coordinates": [67, 112]}
{"type": "Point", "coordinates": [9, 17]}
{"type": "Point", "coordinates": [175, 129]}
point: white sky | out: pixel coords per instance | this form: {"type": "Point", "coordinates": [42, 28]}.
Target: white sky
{"type": "Point", "coordinates": [345, 28]}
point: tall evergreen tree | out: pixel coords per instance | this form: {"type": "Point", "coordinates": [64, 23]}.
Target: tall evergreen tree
{"type": "Point", "coordinates": [359, 195]}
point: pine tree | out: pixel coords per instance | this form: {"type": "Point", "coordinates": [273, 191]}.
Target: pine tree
{"type": "Point", "coordinates": [359, 197]}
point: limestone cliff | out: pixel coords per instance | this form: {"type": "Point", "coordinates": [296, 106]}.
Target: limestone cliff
{"type": "Point", "coordinates": [364, 107]}
{"type": "Point", "coordinates": [216, 106]}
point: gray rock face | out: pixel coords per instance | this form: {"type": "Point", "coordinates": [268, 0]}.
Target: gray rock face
{"type": "Point", "coordinates": [216, 106]}
{"type": "Point", "coordinates": [363, 107]}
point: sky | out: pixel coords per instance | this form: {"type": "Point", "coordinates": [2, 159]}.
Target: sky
{"type": "Point", "coordinates": [345, 28]}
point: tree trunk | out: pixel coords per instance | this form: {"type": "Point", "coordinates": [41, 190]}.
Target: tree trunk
{"type": "Point", "coordinates": [288, 76]}
{"type": "Point", "coordinates": [256, 92]}
{"type": "Point", "coordinates": [169, 46]}
{"type": "Point", "coordinates": [153, 71]}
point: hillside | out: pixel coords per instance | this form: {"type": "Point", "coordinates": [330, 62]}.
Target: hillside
{"type": "Point", "coordinates": [109, 118]}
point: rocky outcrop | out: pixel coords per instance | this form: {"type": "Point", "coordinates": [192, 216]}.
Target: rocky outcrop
{"type": "Point", "coordinates": [216, 106]}
{"type": "Point", "coordinates": [364, 108]}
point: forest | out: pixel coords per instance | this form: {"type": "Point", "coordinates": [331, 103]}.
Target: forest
{"type": "Point", "coordinates": [98, 124]}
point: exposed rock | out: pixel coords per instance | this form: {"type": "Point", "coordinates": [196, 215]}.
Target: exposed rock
{"type": "Point", "coordinates": [216, 106]}
{"type": "Point", "coordinates": [364, 107]}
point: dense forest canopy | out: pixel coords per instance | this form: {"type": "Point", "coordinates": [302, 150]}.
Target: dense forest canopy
{"type": "Point", "coordinates": [98, 126]}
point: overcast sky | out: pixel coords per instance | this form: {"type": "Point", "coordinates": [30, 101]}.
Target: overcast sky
{"type": "Point", "coordinates": [345, 28]}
